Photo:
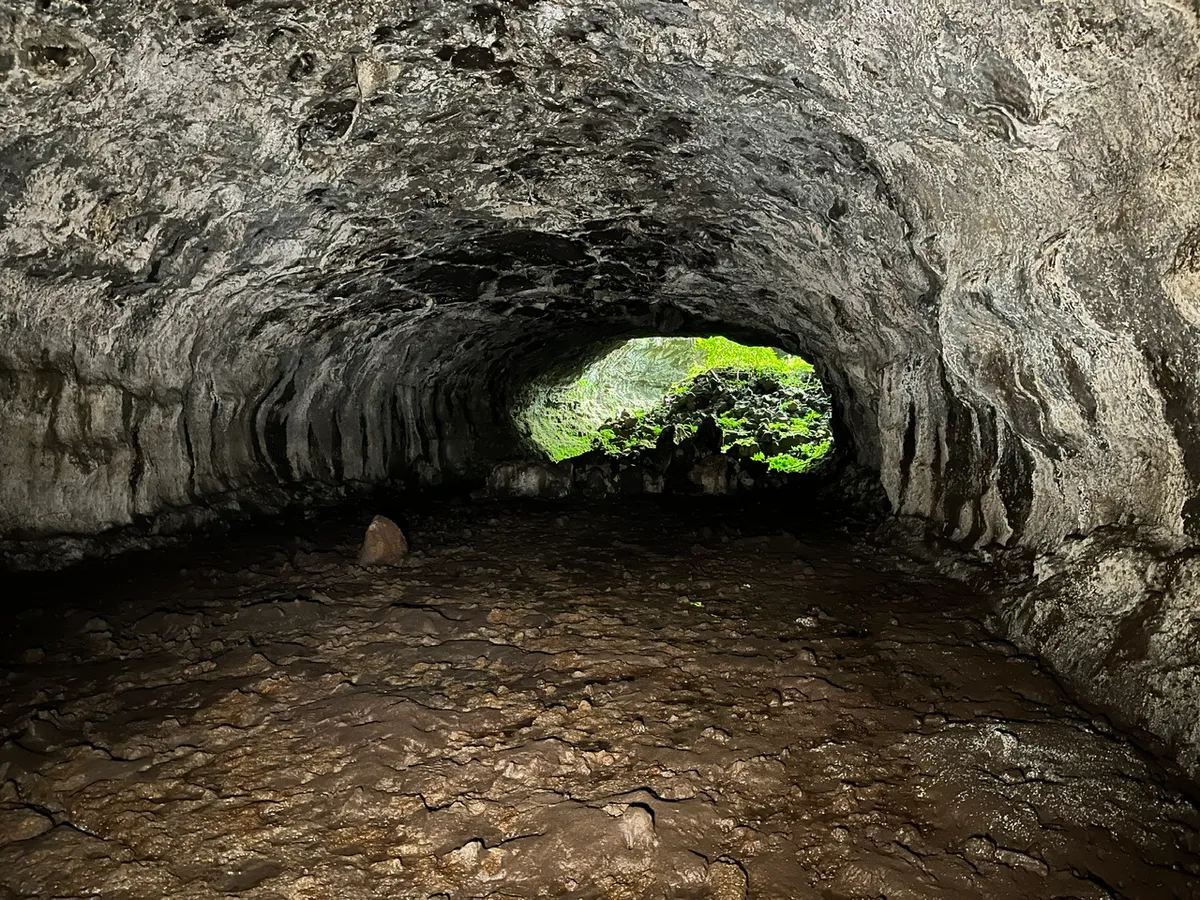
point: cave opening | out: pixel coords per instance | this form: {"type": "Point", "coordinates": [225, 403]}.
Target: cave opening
{"type": "Point", "coordinates": [668, 413]}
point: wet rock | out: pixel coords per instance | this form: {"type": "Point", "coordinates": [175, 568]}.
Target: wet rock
{"type": "Point", "coordinates": [468, 855]}
{"type": "Point", "coordinates": [245, 875]}
{"type": "Point", "coordinates": [727, 880]}
{"type": "Point", "coordinates": [1115, 615]}
{"type": "Point", "coordinates": [384, 544]}
{"type": "Point", "coordinates": [637, 827]}
{"type": "Point", "coordinates": [22, 824]}
{"type": "Point", "coordinates": [42, 735]}
{"type": "Point", "coordinates": [550, 714]}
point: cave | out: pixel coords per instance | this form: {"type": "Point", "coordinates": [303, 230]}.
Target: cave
{"type": "Point", "coordinates": [295, 606]}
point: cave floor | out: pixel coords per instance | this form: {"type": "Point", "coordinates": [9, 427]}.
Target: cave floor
{"type": "Point", "coordinates": [615, 702]}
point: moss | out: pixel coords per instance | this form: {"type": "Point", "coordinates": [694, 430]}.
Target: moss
{"type": "Point", "coordinates": [624, 401]}
{"type": "Point", "coordinates": [722, 353]}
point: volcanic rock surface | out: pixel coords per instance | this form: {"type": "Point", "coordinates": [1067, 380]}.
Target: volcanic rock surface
{"type": "Point", "coordinates": [249, 245]}
{"type": "Point", "coordinates": [635, 702]}
{"type": "Point", "coordinates": [253, 253]}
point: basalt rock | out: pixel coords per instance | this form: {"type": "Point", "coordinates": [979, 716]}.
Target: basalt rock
{"type": "Point", "coordinates": [531, 479]}
{"type": "Point", "coordinates": [249, 251]}
{"type": "Point", "coordinates": [694, 465]}
{"type": "Point", "coordinates": [1116, 614]}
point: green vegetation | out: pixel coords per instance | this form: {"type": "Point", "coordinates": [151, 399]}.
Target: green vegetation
{"type": "Point", "coordinates": [810, 455]}
{"type": "Point", "coordinates": [769, 405]}
{"type": "Point", "coordinates": [722, 353]}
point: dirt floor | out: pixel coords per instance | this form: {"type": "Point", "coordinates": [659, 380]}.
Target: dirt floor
{"type": "Point", "coordinates": [638, 701]}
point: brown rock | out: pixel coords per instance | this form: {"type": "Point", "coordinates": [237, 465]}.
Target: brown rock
{"type": "Point", "coordinates": [727, 881]}
{"type": "Point", "coordinates": [384, 545]}
{"type": "Point", "coordinates": [22, 824]}
{"type": "Point", "coordinates": [637, 827]}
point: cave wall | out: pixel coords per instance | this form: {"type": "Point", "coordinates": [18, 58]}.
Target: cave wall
{"type": "Point", "coordinates": [251, 249]}
{"type": "Point", "coordinates": [1115, 614]}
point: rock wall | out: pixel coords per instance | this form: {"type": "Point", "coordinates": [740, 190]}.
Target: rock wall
{"type": "Point", "coordinates": [252, 250]}
{"type": "Point", "coordinates": [254, 245]}
{"type": "Point", "coordinates": [1116, 615]}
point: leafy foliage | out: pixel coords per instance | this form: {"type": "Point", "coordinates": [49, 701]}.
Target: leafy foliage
{"type": "Point", "coordinates": [769, 405]}
{"type": "Point", "coordinates": [783, 420]}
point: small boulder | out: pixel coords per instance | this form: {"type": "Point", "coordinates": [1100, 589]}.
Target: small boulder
{"type": "Point", "coordinates": [384, 545]}
{"type": "Point", "coordinates": [709, 437]}
{"type": "Point", "coordinates": [711, 475]}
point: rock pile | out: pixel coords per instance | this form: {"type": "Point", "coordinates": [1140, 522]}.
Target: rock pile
{"type": "Point", "coordinates": [760, 413]}
{"type": "Point", "coordinates": [695, 464]}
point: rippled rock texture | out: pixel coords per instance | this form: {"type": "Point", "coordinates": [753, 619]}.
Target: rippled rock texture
{"type": "Point", "coordinates": [629, 704]}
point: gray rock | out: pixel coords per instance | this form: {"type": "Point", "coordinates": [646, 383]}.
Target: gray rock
{"type": "Point", "coordinates": [1116, 616]}
{"type": "Point", "coordinates": [1017, 365]}
{"type": "Point", "coordinates": [711, 474]}
{"type": "Point", "coordinates": [637, 828]}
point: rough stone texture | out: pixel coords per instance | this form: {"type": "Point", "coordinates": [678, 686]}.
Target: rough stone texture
{"type": "Point", "coordinates": [690, 466]}
{"type": "Point", "coordinates": [727, 881]}
{"type": "Point", "coordinates": [384, 544]}
{"type": "Point", "coordinates": [1117, 616]}
{"type": "Point", "coordinates": [637, 703]}
{"type": "Point", "coordinates": [251, 249]}
{"type": "Point", "coordinates": [250, 245]}
{"type": "Point", "coordinates": [531, 479]}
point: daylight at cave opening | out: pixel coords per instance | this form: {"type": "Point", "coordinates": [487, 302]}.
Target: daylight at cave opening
{"type": "Point", "coordinates": [600, 451]}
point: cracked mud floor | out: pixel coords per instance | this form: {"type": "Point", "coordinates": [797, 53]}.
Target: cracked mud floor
{"type": "Point", "coordinates": [623, 703]}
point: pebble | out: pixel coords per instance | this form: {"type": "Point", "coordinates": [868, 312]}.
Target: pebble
{"type": "Point", "coordinates": [637, 827]}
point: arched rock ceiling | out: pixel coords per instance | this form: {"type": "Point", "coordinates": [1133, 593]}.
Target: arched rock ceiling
{"type": "Point", "coordinates": [254, 244]}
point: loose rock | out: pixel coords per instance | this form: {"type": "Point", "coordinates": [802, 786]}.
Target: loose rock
{"type": "Point", "coordinates": [384, 545]}
{"type": "Point", "coordinates": [637, 827]}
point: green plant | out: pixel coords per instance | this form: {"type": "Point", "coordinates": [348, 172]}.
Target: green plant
{"type": "Point", "coordinates": [785, 462]}
{"type": "Point", "coordinates": [623, 401]}
{"type": "Point", "coordinates": [731, 423]}
{"type": "Point", "coordinates": [722, 353]}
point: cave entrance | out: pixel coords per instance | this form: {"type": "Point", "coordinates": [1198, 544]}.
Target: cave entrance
{"type": "Point", "coordinates": [703, 414]}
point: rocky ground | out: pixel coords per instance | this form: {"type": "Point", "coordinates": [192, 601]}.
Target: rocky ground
{"type": "Point", "coordinates": [635, 701]}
